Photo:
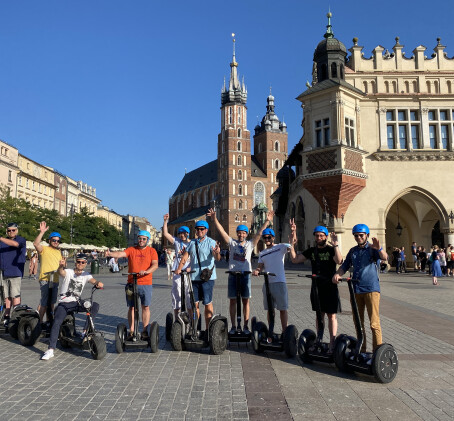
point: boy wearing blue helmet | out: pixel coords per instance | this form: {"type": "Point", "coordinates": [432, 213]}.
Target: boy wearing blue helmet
{"type": "Point", "coordinates": [272, 260]}
{"type": "Point", "coordinates": [240, 252]}
{"type": "Point", "coordinates": [50, 257]}
{"type": "Point", "coordinates": [180, 244]}
{"type": "Point", "coordinates": [324, 259]}
{"type": "Point", "coordinates": [363, 258]}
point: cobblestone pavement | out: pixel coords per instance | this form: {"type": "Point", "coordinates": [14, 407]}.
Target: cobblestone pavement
{"type": "Point", "coordinates": [417, 319]}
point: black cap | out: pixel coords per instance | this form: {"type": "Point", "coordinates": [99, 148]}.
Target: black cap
{"type": "Point", "coordinates": [12, 224]}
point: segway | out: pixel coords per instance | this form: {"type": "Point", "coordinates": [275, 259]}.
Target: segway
{"type": "Point", "coordinates": [238, 336]}
{"type": "Point", "coordinates": [186, 330]}
{"type": "Point", "coordinates": [311, 346]}
{"type": "Point", "coordinates": [3, 327]}
{"type": "Point", "coordinates": [348, 356]}
{"type": "Point", "coordinates": [92, 341]}
{"type": "Point", "coordinates": [264, 338]}
{"type": "Point", "coordinates": [122, 342]}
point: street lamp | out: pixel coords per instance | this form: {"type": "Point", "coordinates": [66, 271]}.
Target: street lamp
{"type": "Point", "coordinates": [451, 217]}
{"type": "Point", "coordinates": [398, 227]}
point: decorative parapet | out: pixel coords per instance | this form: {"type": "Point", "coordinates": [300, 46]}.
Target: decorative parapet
{"type": "Point", "coordinates": [330, 173]}
{"type": "Point", "coordinates": [413, 156]}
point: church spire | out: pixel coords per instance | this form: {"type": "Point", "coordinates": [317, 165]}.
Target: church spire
{"type": "Point", "coordinates": [236, 91]}
{"type": "Point", "coordinates": [234, 82]}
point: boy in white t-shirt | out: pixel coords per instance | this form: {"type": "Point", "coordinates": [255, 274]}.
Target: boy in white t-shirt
{"type": "Point", "coordinates": [240, 252]}
{"type": "Point", "coordinates": [272, 260]}
{"type": "Point", "coordinates": [70, 292]}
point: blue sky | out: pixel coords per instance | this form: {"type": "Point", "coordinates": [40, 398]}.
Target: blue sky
{"type": "Point", "coordinates": [125, 94]}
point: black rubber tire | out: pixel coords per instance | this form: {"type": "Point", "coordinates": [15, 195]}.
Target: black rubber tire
{"type": "Point", "coordinates": [169, 323]}
{"type": "Point", "coordinates": [218, 337]}
{"type": "Point", "coordinates": [120, 337]}
{"type": "Point", "coordinates": [306, 340]}
{"type": "Point", "coordinates": [385, 363]}
{"type": "Point", "coordinates": [98, 347]}
{"type": "Point", "coordinates": [67, 330]}
{"type": "Point", "coordinates": [260, 331]}
{"type": "Point", "coordinates": [290, 341]}
{"type": "Point", "coordinates": [29, 330]}
{"type": "Point", "coordinates": [13, 327]}
{"type": "Point", "coordinates": [175, 337]}
{"type": "Point", "coordinates": [253, 323]}
{"type": "Point", "coordinates": [340, 357]}
{"type": "Point", "coordinates": [154, 337]}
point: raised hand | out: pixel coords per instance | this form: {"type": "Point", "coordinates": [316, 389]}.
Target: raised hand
{"type": "Point", "coordinates": [43, 227]}
{"type": "Point", "coordinates": [211, 213]}
{"type": "Point", "coordinates": [292, 237]}
{"type": "Point", "coordinates": [166, 217]}
{"type": "Point", "coordinates": [333, 239]}
{"type": "Point", "coordinates": [270, 216]}
{"type": "Point", "coordinates": [375, 243]}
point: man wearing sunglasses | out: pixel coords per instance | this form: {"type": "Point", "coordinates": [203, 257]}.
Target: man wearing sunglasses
{"type": "Point", "coordinates": [144, 261]}
{"type": "Point", "coordinates": [272, 260]}
{"type": "Point", "coordinates": [240, 252]}
{"type": "Point", "coordinates": [365, 261]}
{"type": "Point", "coordinates": [203, 250]}
{"type": "Point", "coordinates": [50, 257]}
{"type": "Point", "coordinates": [12, 260]}
{"type": "Point", "coordinates": [323, 258]}
{"type": "Point", "coordinates": [73, 283]}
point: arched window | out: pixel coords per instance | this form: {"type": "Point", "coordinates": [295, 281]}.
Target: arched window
{"type": "Point", "coordinates": [234, 160]}
{"type": "Point", "coordinates": [387, 87]}
{"type": "Point", "coordinates": [394, 86]}
{"type": "Point", "coordinates": [259, 193]}
{"type": "Point", "coordinates": [365, 89]}
{"type": "Point", "coordinates": [260, 148]}
{"type": "Point", "coordinates": [244, 218]}
{"type": "Point", "coordinates": [238, 145]}
{"type": "Point", "coordinates": [240, 190]}
{"type": "Point", "coordinates": [415, 86]}
{"type": "Point", "coordinates": [240, 204]}
{"type": "Point", "coordinates": [429, 89]}
{"type": "Point", "coordinates": [239, 132]}
{"type": "Point", "coordinates": [230, 115]}
{"type": "Point", "coordinates": [239, 118]}
{"type": "Point", "coordinates": [276, 164]}
{"type": "Point", "coordinates": [333, 70]}
{"type": "Point", "coordinates": [373, 90]}
{"type": "Point", "coordinates": [237, 218]}
{"type": "Point", "coordinates": [407, 86]}
{"type": "Point", "coordinates": [239, 160]}
{"type": "Point", "coordinates": [276, 146]}
{"type": "Point", "coordinates": [436, 87]}
{"type": "Point", "coordinates": [240, 175]}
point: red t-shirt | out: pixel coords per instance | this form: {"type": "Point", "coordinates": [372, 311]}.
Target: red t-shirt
{"type": "Point", "coordinates": [140, 259]}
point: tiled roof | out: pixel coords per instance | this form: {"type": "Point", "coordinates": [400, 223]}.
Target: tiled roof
{"type": "Point", "coordinates": [202, 176]}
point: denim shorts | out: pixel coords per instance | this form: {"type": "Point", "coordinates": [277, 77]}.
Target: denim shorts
{"type": "Point", "coordinates": [44, 287]}
{"type": "Point", "coordinates": [203, 291]}
{"type": "Point", "coordinates": [245, 286]}
{"type": "Point", "coordinates": [144, 292]}
{"type": "Point", "coordinates": [279, 296]}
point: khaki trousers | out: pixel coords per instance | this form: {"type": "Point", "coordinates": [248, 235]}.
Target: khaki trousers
{"type": "Point", "coordinates": [370, 301]}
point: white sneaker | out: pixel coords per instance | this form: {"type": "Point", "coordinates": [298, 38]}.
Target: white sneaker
{"type": "Point", "coordinates": [48, 354]}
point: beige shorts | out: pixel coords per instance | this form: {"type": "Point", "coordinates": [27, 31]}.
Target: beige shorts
{"type": "Point", "coordinates": [12, 287]}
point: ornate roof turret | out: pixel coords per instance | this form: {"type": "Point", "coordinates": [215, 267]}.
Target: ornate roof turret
{"type": "Point", "coordinates": [270, 121]}
{"type": "Point", "coordinates": [236, 92]}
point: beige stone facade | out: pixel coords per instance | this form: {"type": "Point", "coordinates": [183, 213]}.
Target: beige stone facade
{"type": "Point", "coordinates": [377, 146]}
{"type": "Point", "coordinates": [35, 183]}
{"type": "Point", "coordinates": [8, 166]}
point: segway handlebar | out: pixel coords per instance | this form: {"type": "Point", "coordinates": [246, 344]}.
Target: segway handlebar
{"type": "Point", "coordinates": [266, 273]}
{"type": "Point", "coordinates": [50, 272]}
{"type": "Point", "coordinates": [185, 271]}
{"type": "Point", "coordinates": [241, 272]}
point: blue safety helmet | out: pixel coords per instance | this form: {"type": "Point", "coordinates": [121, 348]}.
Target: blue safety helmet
{"type": "Point", "coordinates": [144, 233]}
{"type": "Point", "coordinates": [203, 224]}
{"type": "Point", "coordinates": [268, 231]}
{"type": "Point", "coordinates": [360, 228]}
{"type": "Point", "coordinates": [183, 229]}
{"type": "Point", "coordinates": [242, 228]}
{"type": "Point", "coordinates": [321, 228]}
{"type": "Point", "coordinates": [54, 234]}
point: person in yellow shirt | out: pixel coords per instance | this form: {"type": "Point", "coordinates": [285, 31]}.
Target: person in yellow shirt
{"type": "Point", "coordinates": [50, 257]}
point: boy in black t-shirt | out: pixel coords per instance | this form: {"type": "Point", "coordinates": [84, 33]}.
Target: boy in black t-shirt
{"type": "Point", "coordinates": [324, 259]}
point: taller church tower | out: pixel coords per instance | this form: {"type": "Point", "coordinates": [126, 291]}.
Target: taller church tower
{"type": "Point", "coordinates": [234, 154]}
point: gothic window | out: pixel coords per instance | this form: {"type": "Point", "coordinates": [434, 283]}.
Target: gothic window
{"type": "Point", "coordinates": [239, 159]}
{"type": "Point", "coordinates": [240, 190]}
{"type": "Point", "coordinates": [239, 132]}
{"type": "Point", "coordinates": [322, 133]}
{"type": "Point", "coordinates": [259, 193]}
{"type": "Point", "coordinates": [350, 132]}
{"type": "Point", "coordinates": [244, 218]}
{"type": "Point", "coordinates": [276, 164]}
{"type": "Point", "coordinates": [230, 115]}
{"type": "Point", "coordinates": [234, 160]}
{"type": "Point", "coordinates": [237, 218]}
{"type": "Point", "coordinates": [238, 145]}
{"type": "Point", "coordinates": [239, 119]}
{"type": "Point", "coordinates": [240, 175]}
{"type": "Point", "coordinates": [240, 204]}
{"type": "Point", "coordinates": [276, 146]}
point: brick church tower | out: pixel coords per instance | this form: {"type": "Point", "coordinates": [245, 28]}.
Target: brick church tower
{"type": "Point", "coordinates": [234, 154]}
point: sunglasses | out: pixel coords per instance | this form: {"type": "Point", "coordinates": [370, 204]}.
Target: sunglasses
{"type": "Point", "coordinates": [142, 238]}
{"type": "Point", "coordinates": [14, 230]}
{"type": "Point", "coordinates": [359, 235]}
{"type": "Point", "coordinates": [267, 237]}
{"type": "Point", "coordinates": [81, 262]}
{"type": "Point", "coordinates": [55, 241]}
{"type": "Point", "coordinates": [200, 229]}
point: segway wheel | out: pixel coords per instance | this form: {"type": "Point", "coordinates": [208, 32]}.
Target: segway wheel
{"type": "Point", "coordinates": [253, 322]}
{"type": "Point", "coordinates": [120, 337]}
{"type": "Point", "coordinates": [259, 332]}
{"type": "Point", "coordinates": [218, 337]}
{"type": "Point", "coordinates": [340, 353]}
{"type": "Point", "coordinates": [28, 330]}
{"type": "Point", "coordinates": [154, 337]}
{"type": "Point", "coordinates": [290, 341]}
{"type": "Point", "coordinates": [175, 337]}
{"type": "Point", "coordinates": [67, 330]}
{"type": "Point", "coordinates": [385, 363]}
{"type": "Point", "coordinates": [169, 323]}
{"type": "Point", "coordinates": [306, 340]}
{"type": "Point", "coordinates": [98, 348]}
